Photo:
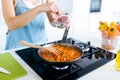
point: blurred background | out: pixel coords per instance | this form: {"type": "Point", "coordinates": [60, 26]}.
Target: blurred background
{"type": "Point", "coordinates": [85, 15]}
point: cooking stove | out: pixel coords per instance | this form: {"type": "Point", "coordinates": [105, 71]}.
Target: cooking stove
{"type": "Point", "coordinates": [92, 58]}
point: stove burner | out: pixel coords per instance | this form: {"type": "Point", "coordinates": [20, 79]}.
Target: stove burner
{"type": "Point", "coordinates": [84, 47]}
{"type": "Point", "coordinates": [92, 58]}
{"type": "Point", "coordinates": [60, 68]}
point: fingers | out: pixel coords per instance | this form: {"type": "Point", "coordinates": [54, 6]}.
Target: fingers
{"type": "Point", "coordinates": [68, 24]}
{"type": "Point", "coordinates": [64, 20]}
{"type": "Point", "coordinates": [53, 7]}
{"type": "Point", "coordinates": [58, 9]}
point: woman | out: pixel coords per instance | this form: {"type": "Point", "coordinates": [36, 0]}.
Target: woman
{"type": "Point", "coordinates": [25, 20]}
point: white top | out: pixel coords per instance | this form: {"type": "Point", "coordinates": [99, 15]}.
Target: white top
{"type": "Point", "coordinates": [32, 4]}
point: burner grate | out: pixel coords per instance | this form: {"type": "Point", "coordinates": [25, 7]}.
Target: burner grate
{"type": "Point", "coordinates": [60, 74]}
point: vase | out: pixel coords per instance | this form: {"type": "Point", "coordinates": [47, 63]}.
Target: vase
{"type": "Point", "coordinates": [109, 43]}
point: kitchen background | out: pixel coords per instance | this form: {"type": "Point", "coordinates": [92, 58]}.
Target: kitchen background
{"type": "Point", "coordinates": [83, 22]}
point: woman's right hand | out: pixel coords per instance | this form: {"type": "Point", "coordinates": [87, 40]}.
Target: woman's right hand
{"type": "Point", "coordinates": [51, 7]}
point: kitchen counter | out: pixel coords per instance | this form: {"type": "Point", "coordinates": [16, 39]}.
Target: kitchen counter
{"type": "Point", "coordinates": [105, 72]}
{"type": "Point", "coordinates": [31, 75]}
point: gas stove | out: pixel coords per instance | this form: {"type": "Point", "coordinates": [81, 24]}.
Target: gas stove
{"type": "Point", "coordinates": [92, 58]}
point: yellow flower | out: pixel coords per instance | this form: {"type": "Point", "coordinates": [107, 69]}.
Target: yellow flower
{"type": "Point", "coordinates": [102, 27]}
{"type": "Point", "coordinates": [105, 23]}
{"type": "Point", "coordinates": [112, 30]}
{"type": "Point", "coordinates": [112, 23]}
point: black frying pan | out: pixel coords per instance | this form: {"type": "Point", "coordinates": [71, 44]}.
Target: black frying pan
{"type": "Point", "coordinates": [60, 64]}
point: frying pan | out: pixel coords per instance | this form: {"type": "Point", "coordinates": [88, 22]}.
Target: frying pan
{"type": "Point", "coordinates": [61, 64]}
{"type": "Point", "coordinates": [55, 63]}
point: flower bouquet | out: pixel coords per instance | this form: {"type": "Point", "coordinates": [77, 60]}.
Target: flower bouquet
{"type": "Point", "coordinates": [110, 33]}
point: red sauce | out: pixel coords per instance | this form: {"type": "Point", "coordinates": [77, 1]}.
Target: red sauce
{"type": "Point", "coordinates": [68, 54]}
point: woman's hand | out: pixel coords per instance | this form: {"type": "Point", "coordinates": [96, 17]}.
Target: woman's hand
{"type": "Point", "coordinates": [55, 14]}
{"type": "Point", "coordinates": [53, 10]}
{"type": "Point", "coordinates": [64, 20]}
{"type": "Point", "coordinates": [50, 7]}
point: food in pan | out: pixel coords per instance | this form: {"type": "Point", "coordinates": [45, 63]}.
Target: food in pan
{"type": "Point", "coordinates": [68, 54]}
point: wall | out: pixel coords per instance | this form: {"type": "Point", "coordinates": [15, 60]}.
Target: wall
{"type": "Point", "coordinates": [80, 17]}
{"type": "Point", "coordinates": [3, 29]}
{"type": "Point", "coordinates": [86, 23]}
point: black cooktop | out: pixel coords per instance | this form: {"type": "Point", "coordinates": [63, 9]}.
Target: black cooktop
{"type": "Point", "coordinates": [93, 58]}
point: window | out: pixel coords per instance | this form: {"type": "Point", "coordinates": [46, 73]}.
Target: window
{"type": "Point", "coordinates": [95, 5]}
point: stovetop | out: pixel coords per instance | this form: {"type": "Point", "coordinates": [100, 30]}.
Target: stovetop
{"type": "Point", "coordinates": [92, 58]}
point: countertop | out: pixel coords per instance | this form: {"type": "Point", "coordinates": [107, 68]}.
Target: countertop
{"type": "Point", "coordinates": [105, 72]}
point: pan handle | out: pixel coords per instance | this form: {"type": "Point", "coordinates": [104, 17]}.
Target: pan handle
{"type": "Point", "coordinates": [65, 35]}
